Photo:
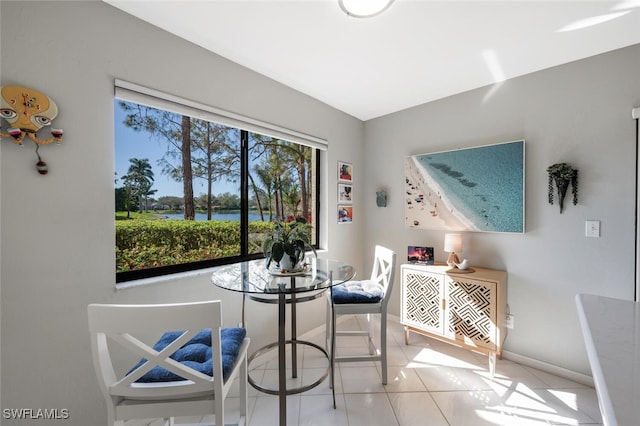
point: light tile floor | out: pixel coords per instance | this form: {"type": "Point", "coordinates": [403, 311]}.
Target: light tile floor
{"type": "Point", "coordinates": [429, 383]}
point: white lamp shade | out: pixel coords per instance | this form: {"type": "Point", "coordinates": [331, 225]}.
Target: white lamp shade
{"type": "Point", "coordinates": [453, 243]}
{"type": "Point", "coordinates": [364, 8]}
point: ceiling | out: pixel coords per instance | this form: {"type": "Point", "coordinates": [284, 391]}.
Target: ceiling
{"type": "Point", "coordinates": [415, 52]}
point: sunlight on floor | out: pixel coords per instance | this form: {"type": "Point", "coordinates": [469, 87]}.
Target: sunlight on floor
{"type": "Point", "coordinates": [428, 379]}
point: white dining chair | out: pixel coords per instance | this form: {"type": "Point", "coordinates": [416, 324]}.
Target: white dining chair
{"type": "Point", "coordinates": [367, 297]}
{"type": "Point", "coordinates": [188, 371]}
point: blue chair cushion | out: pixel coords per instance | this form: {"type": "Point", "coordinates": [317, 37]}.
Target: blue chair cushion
{"type": "Point", "coordinates": [357, 292]}
{"type": "Point", "coordinates": [196, 354]}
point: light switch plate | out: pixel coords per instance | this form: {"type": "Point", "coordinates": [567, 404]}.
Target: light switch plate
{"type": "Point", "coordinates": [592, 228]}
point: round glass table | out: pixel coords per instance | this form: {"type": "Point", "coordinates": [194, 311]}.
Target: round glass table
{"type": "Point", "coordinates": [255, 281]}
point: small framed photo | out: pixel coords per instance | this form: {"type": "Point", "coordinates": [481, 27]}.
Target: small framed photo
{"type": "Point", "coordinates": [422, 255]}
{"type": "Point", "coordinates": [345, 214]}
{"type": "Point", "coordinates": [345, 171]}
{"type": "Point", "coordinates": [345, 193]}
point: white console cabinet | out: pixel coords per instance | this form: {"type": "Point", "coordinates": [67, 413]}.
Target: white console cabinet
{"type": "Point", "coordinates": [465, 309]}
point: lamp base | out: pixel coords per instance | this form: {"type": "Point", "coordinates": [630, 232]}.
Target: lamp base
{"type": "Point", "coordinates": [452, 260]}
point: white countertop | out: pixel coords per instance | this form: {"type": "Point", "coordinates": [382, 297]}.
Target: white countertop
{"type": "Point", "coordinates": [611, 329]}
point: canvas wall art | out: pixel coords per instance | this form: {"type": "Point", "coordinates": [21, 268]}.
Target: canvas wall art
{"type": "Point", "coordinates": [473, 189]}
{"type": "Point", "coordinates": [345, 193]}
{"type": "Point", "coordinates": [345, 172]}
{"type": "Point", "coordinates": [345, 214]}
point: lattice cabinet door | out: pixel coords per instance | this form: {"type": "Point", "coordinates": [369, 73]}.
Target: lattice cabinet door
{"type": "Point", "coordinates": [471, 311]}
{"type": "Point", "coordinates": [422, 298]}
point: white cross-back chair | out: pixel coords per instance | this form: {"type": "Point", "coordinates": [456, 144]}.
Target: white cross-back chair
{"type": "Point", "coordinates": [363, 297]}
{"type": "Point", "coordinates": [180, 390]}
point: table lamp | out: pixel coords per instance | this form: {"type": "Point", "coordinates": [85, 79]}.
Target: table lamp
{"type": "Point", "coordinates": [453, 244]}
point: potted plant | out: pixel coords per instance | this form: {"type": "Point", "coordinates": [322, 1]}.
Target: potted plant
{"type": "Point", "coordinates": [562, 175]}
{"type": "Point", "coordinates": [286, 245]}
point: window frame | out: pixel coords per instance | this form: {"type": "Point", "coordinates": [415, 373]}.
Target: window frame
{"type": "Point", "coordinates": [150, 97]}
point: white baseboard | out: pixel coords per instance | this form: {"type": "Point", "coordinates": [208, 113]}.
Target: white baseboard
{"type": "Point", "coordinates": [549, 368]}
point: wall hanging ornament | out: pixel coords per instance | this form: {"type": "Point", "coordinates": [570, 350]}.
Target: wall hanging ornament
{"type": "Point", "coordinates": [27, 111]}
{"type": "Point", "coordinates": [562, 174]}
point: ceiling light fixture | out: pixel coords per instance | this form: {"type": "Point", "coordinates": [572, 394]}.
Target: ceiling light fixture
{"type": "Point", "coordinates": [364, 8]}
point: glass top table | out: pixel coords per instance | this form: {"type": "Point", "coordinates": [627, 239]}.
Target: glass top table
{"type": "Point", "coordinates": [252, 277]}
{"type": "Point", "coordinates": [254, 280]}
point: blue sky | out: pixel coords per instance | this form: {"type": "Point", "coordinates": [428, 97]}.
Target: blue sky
{"type": "Point", "coordinates": [130, 144]}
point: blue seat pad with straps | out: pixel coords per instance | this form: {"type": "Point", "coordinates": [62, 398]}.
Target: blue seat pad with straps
{"type": "Point", "coordinates": [366, 291]}
{"type": "Point", "coordinates": [196, 354]}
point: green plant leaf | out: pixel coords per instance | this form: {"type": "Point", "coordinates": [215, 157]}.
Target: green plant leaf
{"type": "Point", "coordinates": [277, 251]}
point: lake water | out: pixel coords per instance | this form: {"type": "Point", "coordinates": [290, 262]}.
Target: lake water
{"type": "Point", "coordinates": [233, 216]}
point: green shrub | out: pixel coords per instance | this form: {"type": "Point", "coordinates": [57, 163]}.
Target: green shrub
{"type": "Point", "coordinates": [151, 243]}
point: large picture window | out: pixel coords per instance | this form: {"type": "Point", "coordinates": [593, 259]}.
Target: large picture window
{"type": "Point", "coordinates": [193, 191]}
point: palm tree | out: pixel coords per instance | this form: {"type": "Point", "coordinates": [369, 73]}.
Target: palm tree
{"type": "Point", "coordinates": [288, 164]}
{"type": "Point", "coordinates": [140, 175]}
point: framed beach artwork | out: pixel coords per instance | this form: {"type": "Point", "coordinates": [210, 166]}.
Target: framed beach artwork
{"type": "Point", "coordinates": [345, 171]}
{"type": "Point", "coordinates": [345, 193]}
{"type": "Point", "coordinates": [472, 189]}
{"type": "Point", "coordinates": [345, 214]}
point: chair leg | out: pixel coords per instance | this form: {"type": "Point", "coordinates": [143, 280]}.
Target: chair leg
{"type": "Point", "coordinates": [328, 339]}
{"type": "Point", "coordinates": [218, 404]}
{"type": "Point", "coordinates": [332, 355]}
{"type": "Point", "coordinates": [111, 418]}
{"type": "Point", "coordinates": [243, 390]}
{"type": "Point", "coordinates": [327, 328]}
{"type": "Point", "coordinates": [383, 346]}
{"type": "Point", "coordinates": [370, 334]}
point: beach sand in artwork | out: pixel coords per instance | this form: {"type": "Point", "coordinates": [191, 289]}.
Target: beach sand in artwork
{"type": "Point", "coordinates": [434, 210]}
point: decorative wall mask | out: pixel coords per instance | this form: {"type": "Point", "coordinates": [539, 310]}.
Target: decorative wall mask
{"type": "Point", "coordinates": [27, 111]}
{"type": "Point", "coordinates": [562, 174]}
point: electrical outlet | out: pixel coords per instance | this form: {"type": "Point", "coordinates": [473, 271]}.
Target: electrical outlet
{"type": "Point", "coordinates": [510, 321]}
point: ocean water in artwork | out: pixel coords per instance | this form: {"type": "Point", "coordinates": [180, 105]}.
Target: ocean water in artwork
{"type": "Point", "coordinates": [482, 188]}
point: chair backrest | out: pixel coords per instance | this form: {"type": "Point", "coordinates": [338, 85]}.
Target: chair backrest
{"type": "Point", "coordinates": [383, 271]}
{"type": "Point", "coordinates": [124, 324]}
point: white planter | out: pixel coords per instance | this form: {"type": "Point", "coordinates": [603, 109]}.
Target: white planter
{"type": "Point", "coordinates": [286, 264]}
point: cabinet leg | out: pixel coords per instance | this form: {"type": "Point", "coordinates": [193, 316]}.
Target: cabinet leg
{"type": "Point", "coordinates": [492, 363]}
{"type": "Point", "coordinates": [406, 335]}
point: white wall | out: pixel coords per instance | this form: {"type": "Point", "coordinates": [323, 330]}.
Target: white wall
{"type": "Point", "coordinates": [57, 230]}
{"type": "Point", "coordinates": [578, 113]}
